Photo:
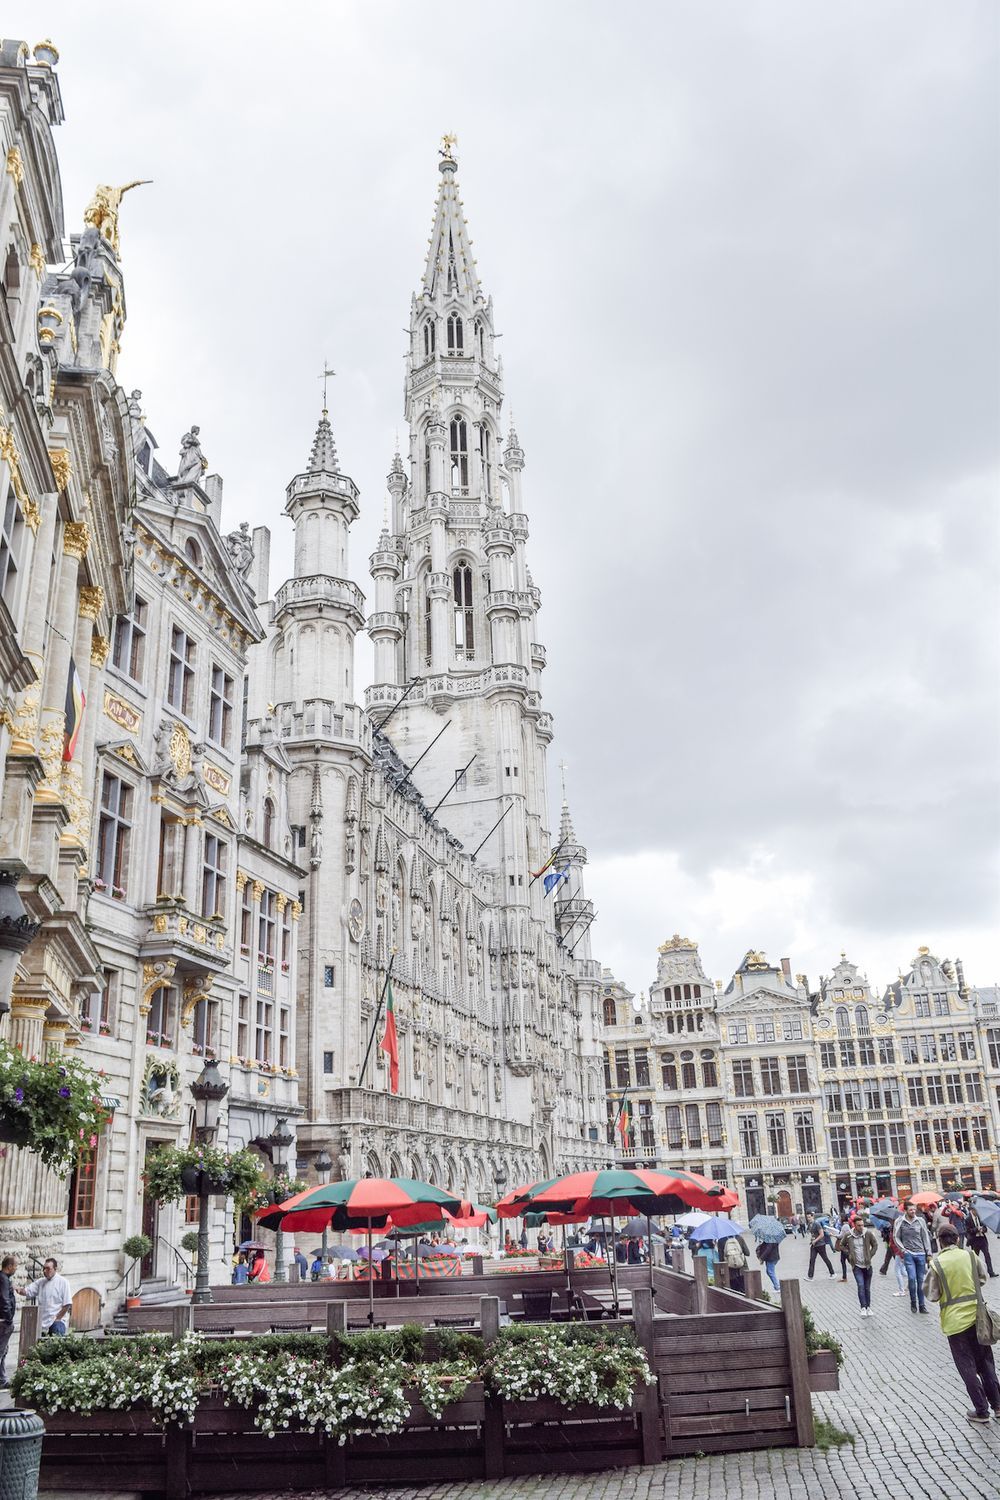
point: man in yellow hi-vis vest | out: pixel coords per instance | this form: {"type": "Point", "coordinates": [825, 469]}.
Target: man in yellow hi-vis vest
{"type": "Point", "coordinates": [951, 1281]}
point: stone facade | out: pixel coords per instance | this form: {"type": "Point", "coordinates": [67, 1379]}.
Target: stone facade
{"type": "Point", "coordinates": [823, 1094]}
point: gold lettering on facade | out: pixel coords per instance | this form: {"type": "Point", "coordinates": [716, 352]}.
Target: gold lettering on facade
{"type": "Point", "coordinates": [121, 713]}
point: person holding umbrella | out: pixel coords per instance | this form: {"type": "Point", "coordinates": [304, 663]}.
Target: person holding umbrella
{"type": "Point", "coordinates": [977, 1236]}
{"type": "Point", "coordinates": [819, 1244]}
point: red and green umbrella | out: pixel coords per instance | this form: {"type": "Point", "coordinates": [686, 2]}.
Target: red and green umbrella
{"type": "Point", "coordinates": [621, 1191]}
{"type": "Point", "coordinates": [365, 1203]}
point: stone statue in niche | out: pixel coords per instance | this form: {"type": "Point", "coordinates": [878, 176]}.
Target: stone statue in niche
{"type": "Point", "coordinates": [477, 1076]}
{"type": "Point", "coordinates": [381, 893]}
{"type": "Point", "coordinates": [418, 1057]}
{"type": "Point", "coordinates": [449, 1070]}
{"type": "Point", "coordinates": [497, 1084]}
{"type": "Point", "coordinates": [417, 917]}
{"type": "Point", "coordinates": [240, 549]}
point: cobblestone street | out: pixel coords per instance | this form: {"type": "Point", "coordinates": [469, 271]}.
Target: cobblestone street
{"type": "Point", "coordinates": [900, 1397]}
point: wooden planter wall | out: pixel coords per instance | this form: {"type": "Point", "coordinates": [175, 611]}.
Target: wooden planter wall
{"type": "Point", "coordinates": [730, 1379]}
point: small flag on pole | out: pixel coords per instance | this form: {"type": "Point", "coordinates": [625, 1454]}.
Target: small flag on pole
{"type": "Point", "coordinates": [625, 1124]}
{"type": "Point", "coordinates": [76, 702]}
{"type": "Point", "coordinates": [554, 878]}
{"type": "Point", "coordinates": [542, 868]}
{"type": "Point", "coordinates": [390, 1041]}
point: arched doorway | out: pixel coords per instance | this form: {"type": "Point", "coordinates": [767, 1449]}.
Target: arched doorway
{"type": "Point", "coordinates": [783, 1208]}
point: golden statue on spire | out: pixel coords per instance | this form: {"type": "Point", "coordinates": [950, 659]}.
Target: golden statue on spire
{"type": "Point", "coordinates": [102, 210]}
{"type": "Point", "coordinates": [448, 143]}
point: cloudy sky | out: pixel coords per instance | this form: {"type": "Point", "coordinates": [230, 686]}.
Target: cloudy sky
{"type": "Point", "coordinates": [744, 258]}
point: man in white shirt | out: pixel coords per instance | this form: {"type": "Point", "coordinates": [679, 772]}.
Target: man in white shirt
{"type": "Point", "coordinates": [54, 1298]}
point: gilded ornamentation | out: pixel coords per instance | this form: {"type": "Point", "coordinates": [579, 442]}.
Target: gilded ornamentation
{"type": "Point", "coordinates": [121, 713]}
{"type": "Point", "coordinates": [182, 925]}
{"type": "Point", "coordinates": [102, 210]}
{"type": "Point", "coordinates": [179, 750]}
{"type": "Point", "coordinates": [217, 779]}
{"type": "Point", "coordinates": [51, 741]}
{"type": "Point", "coordinates": [197, 987]}
{"type": "Point", "coordinates": [100, 645]}
{"type": "Point", "coordinates": [15, 166]}
{"type": "Point", "coordinates": [25, 725]}
{"type": "Point", "coordinates": [76, 803]}
{"type": "Point", "coordinates": [241, 880]}
{"type": "Point", "coordinates": [62, 466]}
{"type": "Point", "coordinates": [91, 601]}
{"type": "Point", "coordinates": [258, 889]}
{"type": "Point", "coordinates": [296, 910]}
{"type": "Point", "coordinates": [160, 922]}
{"type": "Point", "coordinates": [199, 932]}
{"type": "Point", "coordinates": [676, 942]}
{"type": "Point", "coordinates": [154, 976]}
{"type": "Point", "coordinates": [32, 513]}
{"type": "Point", "coordinates": [37, 260]}
{"type": "Point", "coordinates": [76, 539]}
{"type": "Point", "coordinates": [49, 319]}
{"type": "Point", "coordinates": [281, 901]}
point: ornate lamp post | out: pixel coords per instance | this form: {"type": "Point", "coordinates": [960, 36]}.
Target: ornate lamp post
{"type": "Point", "coordinates": [16, 932]}
{"type": "Point", "coordinates": [208, 1091]}
{"type": "Point", "coordinates": [279, 1140]}
{"type": "Point", "coordinates": [323, 1163]}
{"type": "Point", "coordinates": [500, 1183]}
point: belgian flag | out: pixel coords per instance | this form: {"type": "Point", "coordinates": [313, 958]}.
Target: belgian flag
{"type": "Point", "coordinates": [390, 1041]}
{"type": "Point", "coordinates": [76, 702]}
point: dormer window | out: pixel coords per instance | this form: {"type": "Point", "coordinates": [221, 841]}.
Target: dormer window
{"type": "Point", "coordinates": [456, 336]}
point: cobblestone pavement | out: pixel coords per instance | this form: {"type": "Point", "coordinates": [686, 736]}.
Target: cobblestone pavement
{"type": "Point", "coordinates": [900, 1396]}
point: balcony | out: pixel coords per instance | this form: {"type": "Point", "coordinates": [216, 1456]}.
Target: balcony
{"type": "Point", "coordinates": [192, 942]}
{"type": "Point", "coordinates": [322, 718]}
{"type": "Point", "coordinates": [364, 1106]}
{"type": "Point", "coordinates": [320, 588]}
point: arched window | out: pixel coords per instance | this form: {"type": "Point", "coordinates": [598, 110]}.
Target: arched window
{"type": "Point", "coordinates": [430, 338]}
{"type": "Point", "coordinates": [267, 835]}
{"type": "Point", "coordinates": [480, 339]}
{"type": "Point", "coordinates": [427, 463]}
{"type": "Point", "coordinates": [456, 336]}
{"type": "Point", "coordinates": [861, 1020]}
{"type": "Point", "coordinates": [609, 1011]}
{"type": "Point", "coordinates": [486, 458]}
{"type": "Point", "coordinates": [459, 456]}
{"type": "Point", "coordinates": [191, 552]}
{"type": "Point", "coordinates": [462, 588]}
{"type": "Point", "coordinates": [843, 1020]}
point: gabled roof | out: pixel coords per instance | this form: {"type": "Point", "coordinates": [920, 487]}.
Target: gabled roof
{"type": "Point", "coordinates": [171, 526]}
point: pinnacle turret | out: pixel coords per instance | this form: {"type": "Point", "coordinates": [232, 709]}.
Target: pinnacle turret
{"type": "Point", "coordinates": [323, 456]}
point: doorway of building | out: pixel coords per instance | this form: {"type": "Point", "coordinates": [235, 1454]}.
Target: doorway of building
{"type": "Point", "coordinates": [756, 1203]}
{"type": "Point", "coordinates": [812, 1197]}
{"type": "Point", "coordinates": [783, 1206]}
{"type": "Point", "coordinates": [150, 1217]}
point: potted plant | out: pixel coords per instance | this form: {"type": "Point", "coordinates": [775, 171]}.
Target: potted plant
{"type": "Point", "coordinates": [136, 1248]}
{"type": "Point", "coordinates": [173, 1172]}
{"type": "Point", "coordinates": [189, 1242]}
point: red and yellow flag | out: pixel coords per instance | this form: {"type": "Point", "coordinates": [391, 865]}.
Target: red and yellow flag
{"type": "Point", "coordinates": [625, 1124]}
{"type": "Point", "coordinates": [390, 1041]}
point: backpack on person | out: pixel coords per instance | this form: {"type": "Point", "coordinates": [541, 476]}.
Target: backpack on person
{"type": "Point", "coordinates": [735, 1258]}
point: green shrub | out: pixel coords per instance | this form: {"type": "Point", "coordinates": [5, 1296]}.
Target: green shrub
{"type": "Point", "coordinates": [818, 1338]}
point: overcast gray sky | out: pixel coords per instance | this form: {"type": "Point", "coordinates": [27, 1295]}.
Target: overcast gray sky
{"type": "Point", "coordinates": [744, 258]}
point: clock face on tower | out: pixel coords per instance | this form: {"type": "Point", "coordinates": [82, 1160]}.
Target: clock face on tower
{"type": "Point", "coordinates": [356, 920]}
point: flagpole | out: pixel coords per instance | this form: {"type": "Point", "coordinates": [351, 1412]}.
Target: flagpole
{"type": "Point", "coordinates": [550, 861]}
{"type": "Point", "coordinates": [398, 701]}
{"type": "Point", "coordinates": [399, 786]}
{"type": "Point", "coordinates": [583, 934]}
{"type": "Point", "coordinates": [493, 830]}
{"type": "Point", "coordinates": [378, 1015]}
{"type": "Point", "coordinates": [458, 777]}
{"type": "Point", "coordinates": [578, 918]}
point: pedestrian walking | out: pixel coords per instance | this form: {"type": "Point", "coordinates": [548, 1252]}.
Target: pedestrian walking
{"type": "Point", "coordinates": [859, 1244]}
{"type": "Point", "coordinates": [768, 1255]}
{"type": "Point", "coordinates": [8, 1307]}
{"type": "Point", "coordinates": [735, 1255]}
{"type": "Point", "coordinates": [952, 1281]}
{"type": "Point", "coordinates": [911, 1234]}
{"type": "Point", "coordinates": [819, 1244]}
{"type": "Point", "coordinates": [300, 1260]}
{"type": "Point", "coordinates": [978, 1238]}
{"type": "Point", "coordinates": [886, 1233]}
{"type": "Point", "coordinates": [54, 1298]}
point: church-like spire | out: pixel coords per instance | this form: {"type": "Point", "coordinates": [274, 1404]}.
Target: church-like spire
{"type": "Point", "coordinates": [323, 457]}
{"type": "Point", "coordinates": [450, 269]}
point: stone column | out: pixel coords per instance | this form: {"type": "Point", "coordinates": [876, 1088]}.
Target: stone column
{"type": "Point", "coordinates": [192, 864]}
{"type": "Point", "coordinates": [76, 540]}
{"type": "Point", "coordinates": [25, 740]}
{"type": "Point", "coordinates": [27, 1021]}
{"type": "Point", "coordinates": [78, 772]}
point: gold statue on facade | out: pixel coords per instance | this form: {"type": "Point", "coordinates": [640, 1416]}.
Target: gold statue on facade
{"type": "Point", "coordinates": [102, 210]}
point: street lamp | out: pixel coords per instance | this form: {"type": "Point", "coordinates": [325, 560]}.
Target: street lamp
{"type": "Point", "coordinates": [208, 1091]}
{"type": "Point", "coordinates": [323, 1165]}
{"type": "Point", "coordinates": [279, 1140]}
{"type": "Point", "coordinates": [16, 932]}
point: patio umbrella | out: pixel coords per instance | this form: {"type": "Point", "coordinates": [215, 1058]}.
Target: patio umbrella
{"type": "Point", "coordinates": [366, 1203]}
{"type": "Point", "coordinates": [636, 1190]}
{"type": "Point", "coordinates": [767, 1228]}
{"type": "Point", "coordinates": [988, 1212]}
{"type": "Point", "coordinates": [716, 1228]}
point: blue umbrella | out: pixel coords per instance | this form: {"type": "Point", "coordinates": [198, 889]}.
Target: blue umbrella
{"type": "Point", "coordinates": [767, 1228]}
{"type": "Point", "coordinates": [716, 1228]}
{"type": "Point", "coordinates": [988, 1212]}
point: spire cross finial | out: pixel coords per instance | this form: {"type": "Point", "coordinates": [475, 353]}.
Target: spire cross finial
{"type": "Point", "coordinates": [327, 372]}
{"type": "Point", "coordinates": [448, 143]}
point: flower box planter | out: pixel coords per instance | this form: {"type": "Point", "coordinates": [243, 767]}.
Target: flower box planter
{"type": "Point", "coordinates": [823, 1372]}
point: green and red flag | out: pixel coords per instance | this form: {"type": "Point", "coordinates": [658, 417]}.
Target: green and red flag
{"type": "Point", "coordinates": [390, 1041]}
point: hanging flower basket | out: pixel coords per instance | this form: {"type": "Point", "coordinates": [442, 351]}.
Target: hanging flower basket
{"type": "Point", "coordinates": [172, 1173]}
{"type": "Point", "coordinates": [52, 1107]}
